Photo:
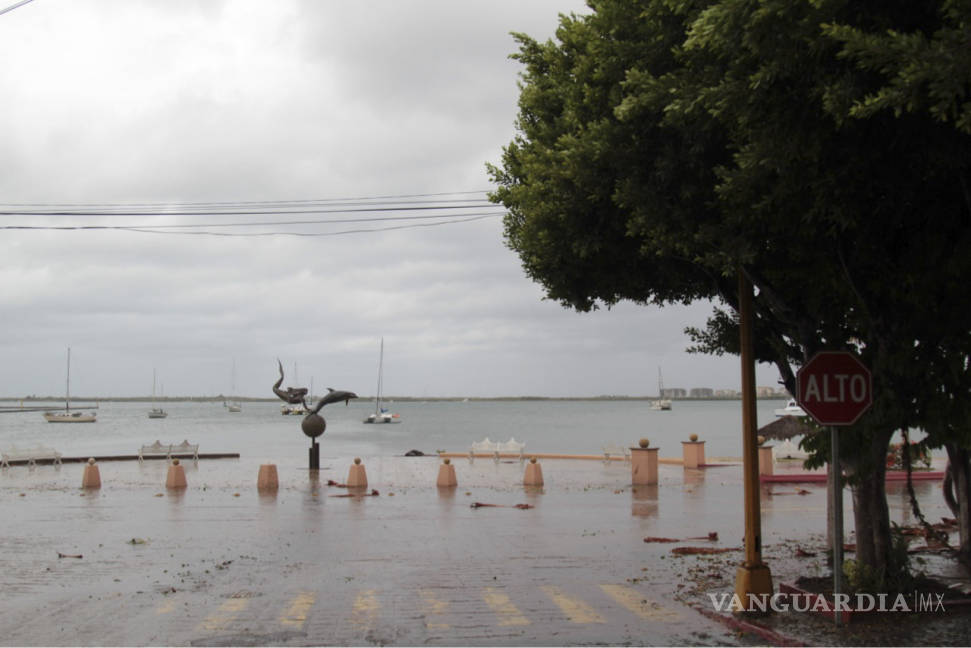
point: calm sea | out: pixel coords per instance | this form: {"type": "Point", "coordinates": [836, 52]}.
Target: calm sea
{"type": "Point", "coordinates": [261, 432]}
{"type": "Point", "coordinates": [575, 427]}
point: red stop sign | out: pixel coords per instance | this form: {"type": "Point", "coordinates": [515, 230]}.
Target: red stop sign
{"type": "Point", "coordinates": [834, 387]}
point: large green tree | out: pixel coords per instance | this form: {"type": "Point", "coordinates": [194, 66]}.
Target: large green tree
{"type": "Point", "coordinates": [665, 145]}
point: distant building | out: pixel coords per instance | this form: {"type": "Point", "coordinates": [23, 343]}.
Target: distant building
{"type": "Point", "coordinates": [702, 392]}
{"type": "Point", "coordinates": [726, 393]}
{"type": "Point", "coordinates": [673, 392]}
{"type": "Point", "coordinates": [769, 392]}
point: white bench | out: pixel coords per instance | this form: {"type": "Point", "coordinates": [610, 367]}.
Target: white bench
{"type": "Point", "coordinates": [30, 455]}
{"type": "Point", "coordinates": [616, 450]}
{"type": "Point", "coordinates": [497, 448]}
{"type": "Point", "coordinates": [167, 450]}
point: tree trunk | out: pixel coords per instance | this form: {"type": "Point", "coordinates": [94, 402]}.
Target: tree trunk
{"type": "Point", "coordinates": [870, 511]}
{"type": "Point", "coordinates": [960, 469]}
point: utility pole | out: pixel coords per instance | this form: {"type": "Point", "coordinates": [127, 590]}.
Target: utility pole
{"type": "Point", "coordinates": [753, 576]}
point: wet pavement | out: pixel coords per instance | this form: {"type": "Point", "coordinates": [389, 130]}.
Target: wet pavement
{"type": "Point", "coordinates": [223, 564]}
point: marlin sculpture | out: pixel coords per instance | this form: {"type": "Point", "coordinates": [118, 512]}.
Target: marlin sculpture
{"type": "Point", "coordinates": [298, 395]}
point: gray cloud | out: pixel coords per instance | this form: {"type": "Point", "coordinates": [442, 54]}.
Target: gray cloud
{"type": "Point", "coordinates": [112, 101]}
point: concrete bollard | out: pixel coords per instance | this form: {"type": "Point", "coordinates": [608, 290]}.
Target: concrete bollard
{"type": "Point", "coordinates": [765, 460]}
{"type": "Point", "coordinates": [357, 476]}
{"type": "Point", "coordinates": [643, 464]}
{"type": "Point", "coordinates": [534, 474]}
{"type": "Point", "coordinates": [176, 475]}
{"type": "Point", "coordinates": [92, 475]}
{"type": "Point", "coordinates": [693, 452]}
{"type": "Point", "coordinates": [267, 478]}
{"type": "Point", "coordinates": [446, 475]}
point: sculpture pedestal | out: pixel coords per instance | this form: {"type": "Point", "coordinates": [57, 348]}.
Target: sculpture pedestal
{"type": "Point", "coordinates": [693, 453]}
{"type": "Point", "coordinates": [765, 460]}
{"type": "Point", "coordinates": [643, 466]}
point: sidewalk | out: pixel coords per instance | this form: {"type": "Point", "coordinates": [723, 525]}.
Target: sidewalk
{"type": "Point", "coordinates": [221, 564]}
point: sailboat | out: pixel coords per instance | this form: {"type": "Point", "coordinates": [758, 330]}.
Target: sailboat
{"type": "Point", "coordinates": [155, 412]}
{"type": "Point", "coordinates": [234, 405]}
{"type": "Point", "coordinates": [67, 416]}
{"type": "Point", "coordinates": [381, 415]}
{"type": "Point", "coordinates": [661, 404]}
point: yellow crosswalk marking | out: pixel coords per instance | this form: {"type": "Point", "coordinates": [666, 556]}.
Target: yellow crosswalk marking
{"type": "Point", "coordinates": [228, 611]}
{"type": "Point", "coordinates": [509, 614]}
{"type": "Point", "coordinates": [166, 607]}
{"type": "Point", "coordinates": [365, 609]}
{"type": "Point", "coordinates": [296, 614]}
{"type": "Point", "coordinates": [432, 606]}
{"type": "Point", "coordinates": [576, 610]}
{"type": "Point", "coordinates": [639, 604]}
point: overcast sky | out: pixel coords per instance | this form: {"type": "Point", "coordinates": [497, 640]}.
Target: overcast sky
{"type": "Point", "coordinates": [168, 102]}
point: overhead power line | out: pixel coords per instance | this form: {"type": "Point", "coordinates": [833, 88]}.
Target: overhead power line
{"type": "Point", "coordinates": [360, 210]}
{"type": "Point", "coordinates": [14, 6]}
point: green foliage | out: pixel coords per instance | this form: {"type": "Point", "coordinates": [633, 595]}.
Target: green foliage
{"type": "Point", "coordinates": [894, 577]}
{"type": "Point", "coordinates": [920, 67]}
{"type": "Point", "coordinates": [665, 145]}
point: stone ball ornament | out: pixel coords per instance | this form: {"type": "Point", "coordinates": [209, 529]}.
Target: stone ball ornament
{"type": "Point", "coordinates": [693, 438]}
{"type": "Point", "coordinates": [313, 425]}
{"type": "Point", "coordinates": [644, 443]}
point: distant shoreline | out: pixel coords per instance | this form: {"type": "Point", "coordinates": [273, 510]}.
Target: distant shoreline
{"type": "Point", "coordinates": [399, 399]}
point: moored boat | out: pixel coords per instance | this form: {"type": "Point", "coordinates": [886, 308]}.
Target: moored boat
{"type": "Point", "coordinates": [67, 416]}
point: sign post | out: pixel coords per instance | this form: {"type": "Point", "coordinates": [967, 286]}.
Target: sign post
{"type": "Point", "coordinates": [835, 388]}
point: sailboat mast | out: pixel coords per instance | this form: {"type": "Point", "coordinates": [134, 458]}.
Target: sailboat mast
{"type": "Point", "coordinates": [377, 398]}
{"type": "Point", "coordinates": [67, 389]}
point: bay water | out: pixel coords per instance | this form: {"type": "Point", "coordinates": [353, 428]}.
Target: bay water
{"type": "Point", "coordinates": [260, 431]}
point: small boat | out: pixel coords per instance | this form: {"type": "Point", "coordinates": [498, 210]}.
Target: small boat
{"type": "Point", "coordinates": [381, 414]}
{"type": "Point", "coordinates": [661, 404]}
{"type": "Point", "coordinates": [791, 409]}
{"type": "Point", "coordinates": [67, 416]}
{"type": "Point", "coordinates": [292, 410]}
{"type": "Point", "coordinates": [155, 412]}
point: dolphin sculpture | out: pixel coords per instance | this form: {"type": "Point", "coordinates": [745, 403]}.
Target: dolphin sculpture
{"type": "Point", "coordinates": [292, 395]}
{"type": "Point", "coordinates": [333, 396]}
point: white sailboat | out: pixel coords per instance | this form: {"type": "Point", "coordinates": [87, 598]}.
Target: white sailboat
{"type": "Point", "coordinates": [661, 404]}
{"type": "Point", "coordinates": [67, 416]}
{"type": "Point", "coordinates": [155, 412]}
{"type": "Point", "coordinates": [381, 415]}
{"type": "Point", "coordinates": [234, 405]}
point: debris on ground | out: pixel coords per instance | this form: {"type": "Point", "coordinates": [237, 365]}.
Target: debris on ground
{"type": "Point", "coordinates": [373, 493]}
{"type": "Point", "coordinates": [483, 504]}
{"type": "Point", "coordinates": [64, 555]}
{"type": "Point", "coordinates": [712, 536]}
{"type": "Point", "coordinates": [688, 551]}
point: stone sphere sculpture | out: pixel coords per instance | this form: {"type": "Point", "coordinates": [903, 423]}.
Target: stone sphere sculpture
{"type": "Point", "coordinates": [644, 443]}
{"type": "Point", "coordinates": [313, 425]}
